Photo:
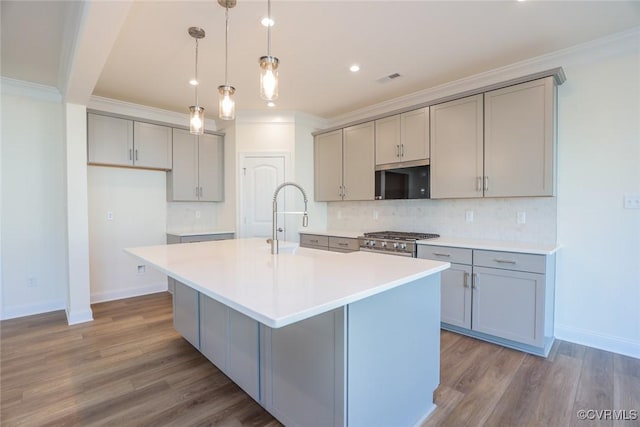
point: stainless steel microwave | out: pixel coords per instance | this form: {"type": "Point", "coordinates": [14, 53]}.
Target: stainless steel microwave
{"type": "Point", "coordinates": [402, 181]}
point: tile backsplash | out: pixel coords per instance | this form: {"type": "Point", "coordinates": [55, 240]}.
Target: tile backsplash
{"type": "Point", "coordinates": [495, 218]}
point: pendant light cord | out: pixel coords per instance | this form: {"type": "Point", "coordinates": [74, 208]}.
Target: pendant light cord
{"type": "Point", "coordinates": [197, 82]}
{"type": "Point", "coordinates": [226, 45]}
{"type": "Point", "coordinates": [269, 23]}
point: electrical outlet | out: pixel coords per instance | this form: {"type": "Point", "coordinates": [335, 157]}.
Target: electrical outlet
{"type": "Point", "coordinates": [142, 269]}
{"type": "Point", "coordinates": [632, 201]}
{"type": "Point", "coordinates": [197, 214]}
{"type": "Point", "coordinates": [32, 282]}
{"type": "Point", "coordinates": [109, 216]}
{"type": "Point", "coordinates": [521, 217]}
{"type": "Point", "coordinates": [375, 214]}
{"type": "Point", "coordinates": [468, 216]}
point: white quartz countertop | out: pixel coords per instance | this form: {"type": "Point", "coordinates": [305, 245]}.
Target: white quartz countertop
{"type": "Point", "coordinates": [198, 233]}
{"type": "Point", "coordinates": [492, 245]}
{"type": "Point", "coordinates": [333, 233]}
{"type": "Point", "coordinates": [278, 290]}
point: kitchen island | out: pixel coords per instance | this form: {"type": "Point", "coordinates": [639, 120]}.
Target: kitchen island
{"type": "Point", "coordinates": [317, 338]}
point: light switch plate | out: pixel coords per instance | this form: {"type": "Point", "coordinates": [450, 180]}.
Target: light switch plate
{"type": "Point", "coordinates": [521, 217]}
{"type": "Point", "coordinates": [468, 216]}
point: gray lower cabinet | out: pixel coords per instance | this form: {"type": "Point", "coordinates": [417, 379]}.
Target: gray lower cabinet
{"type": "Point", "coordinates": [186, 313]}
{"type": "Point", "coordinates": [230, 340]}
{"type": "Point", "coordinates": [329, 243]}
{"type": "Point", "coordinates": [502, 297]}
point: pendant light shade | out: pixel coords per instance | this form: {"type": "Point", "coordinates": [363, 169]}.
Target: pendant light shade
{"type": "Point", "coordinates": [196, 120]}
{"type": "Point", "coordinates": [226, 105]}
{"type": "Point", "coordinates": [269, 78]}
{"type": "Point", "coordinates": [269, 66]}
{"type": "Point", "coordinates": [196, 113]}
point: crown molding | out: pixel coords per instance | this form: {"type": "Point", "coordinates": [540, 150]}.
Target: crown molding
{"type": "Point", "coordinates": [152, 114]}
{"type": "Point", "coordinates": [30, 90]}
{"type": "Point", "coordinates": [603, 46]}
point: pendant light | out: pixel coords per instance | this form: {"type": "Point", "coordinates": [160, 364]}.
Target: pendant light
{"type": "Point", "coordinates": [227, 105]}
{"type": "Point", "coordinates": [269, 66]}
{"type": "Point", "coordinates": [196, 113]}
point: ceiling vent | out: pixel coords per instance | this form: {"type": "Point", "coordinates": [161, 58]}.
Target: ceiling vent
{"type": "Point", "coordinates": [388, 78]}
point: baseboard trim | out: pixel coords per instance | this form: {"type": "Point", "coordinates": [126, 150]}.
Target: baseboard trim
{"type": "Point", "coordinates": [31, 309]}
{"type": "Point", "coordinates": [128, 293]}
{"type": "Point", "coordinates": [610, 343]}
{"type": "Point", "coordinates": [75, 317]}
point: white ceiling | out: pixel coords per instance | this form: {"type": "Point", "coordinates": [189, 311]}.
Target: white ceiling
{"type": "Point", "coordinates": [427, 42]}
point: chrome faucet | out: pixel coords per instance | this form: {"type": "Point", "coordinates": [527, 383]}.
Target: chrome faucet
{"type": "Point", "coordinates": [305, 218]}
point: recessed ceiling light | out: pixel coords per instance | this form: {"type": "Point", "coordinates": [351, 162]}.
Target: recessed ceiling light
{"type": "Point", "coordinates": [193, 82]}
{"type": "Point", "coordinates": [271, 104]}
{"type": "Point", "coordinates": [266, 22]}
{"type": "Point", "coordinates": [354, 68]}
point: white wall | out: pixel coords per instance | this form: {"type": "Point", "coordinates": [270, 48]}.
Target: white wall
{"type": "Point", "coordinates": [598, 278]}
{"type": "Point", "coordinates": [136, 198]}
{"type": "Point", "coordinates": [34, 218]}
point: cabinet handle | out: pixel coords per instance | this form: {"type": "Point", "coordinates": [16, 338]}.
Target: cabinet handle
{"type": "Point", "coordinates": [397, 151]}
{"type": "Point", "coordinates": [196, 191]}
{"type": "Point", "coordinates": [136, 154]}
{"type": "Point", "coordinates": [504, 261]}
{"type": "Point", "coordinates": [486, 183]}
{"type": "Point", "coordinates": [441, 254]}
{"type": "Point", "coordinates": [479, 184]}
{"type": "Point", "coordinates": [344, 191]}
{"type": "Point", "coordinates": [313, 240]}
{"type": "Point", "coordinates": [200, 191]}
{"type": "Point", "coordinates": [475, 280]}
{"type": "Point", "coordinates": [465, 280]}
{"type": "Point", "coordinates": [130, 154]}
{"type": "Point", "coordinates": [343, 244]}
{"type": "Point", "coordinates": [401, 150]}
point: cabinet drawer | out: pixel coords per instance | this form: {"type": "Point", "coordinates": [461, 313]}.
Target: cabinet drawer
{"type": "Point", "coordinates": [314, 240]}
{"type": "Point", "coordinates": [205, 238]}
{"type": "Point", "coordinates": [510, 261]}
{"type": "Point", "coordinates": [445, 253]}
{"type": "Point", "coordinates": [344, 243]}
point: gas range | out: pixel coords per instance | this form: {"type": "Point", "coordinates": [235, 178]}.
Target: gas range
{"type": "Point", "coordinates": [393, 242]}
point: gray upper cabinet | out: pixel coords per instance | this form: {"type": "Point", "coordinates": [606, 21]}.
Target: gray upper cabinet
{"type": "Point", "coordinates": [328, 166]}
{"type": "Point", "coordinates": [198, 168]}
{"type": "Point", "coordinates": [403, 137]}
{"type": "Point", "coordinates": [152, 146]}
{"type": "Point", "coordinates": [519, 140]}
{"type": "Point", "coordinates": [344, 164]}
{"type": "Point", "coordinates": [121, 142]}
{"type": "Point", "coordinates": [110, 140]}
{"type": "Point", "coordinates": [358, 176]}
{"type": "Point", "coordinates": [457, 148]}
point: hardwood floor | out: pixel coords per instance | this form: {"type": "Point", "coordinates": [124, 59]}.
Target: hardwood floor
{"type": "Point", "coordinates": [130, 368]}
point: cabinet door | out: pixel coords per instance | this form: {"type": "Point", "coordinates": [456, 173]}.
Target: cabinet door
{"type": "Point", "coordinates": [457, 148]}
{"type": "Point", "coordinates": [358, 177]}
{"type": "Point", "coordinates": [519, 139]}
{"type": "Point", "coordinates": [388, 140]}
{"type": "Point", "coordinates": [328, 166]}
{"type": "Point", "coordinates": [509, 304]}
{"type": "Point", "coordinates": [414, 135]}
{"type": "Point", "coordinates": [455, 296]}
{"type": "Point", "coordinates": [186, 313]}
{"type": "Point", "coordinates": [152, 146]}
{"type": "Point", "coordinates": [183, 178]}
{"type": "Point", "coordinates": [213, 327]}
{"type": "Point", "coordinates": [211, 168]}
{"type": "Point", "coordinates": [110, 140]}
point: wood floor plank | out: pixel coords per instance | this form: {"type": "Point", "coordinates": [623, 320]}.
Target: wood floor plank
{"type": "Point", "coordinates": [130, 367]}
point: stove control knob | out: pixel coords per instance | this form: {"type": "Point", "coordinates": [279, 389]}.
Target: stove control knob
{"type": "Point", "coordinates": [372, 243]}
{"type": "Point", "coordinates": [403, 246]}
{"type": "Point", "coordinates": [365, 242]}
{"type": "Point", "coordinates": [395, 245]}
{"type": "Point", "coordinates": [383, 244]}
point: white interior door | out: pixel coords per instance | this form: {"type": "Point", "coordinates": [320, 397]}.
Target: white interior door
{"type": "Point", "coordinates": [260, 174]}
